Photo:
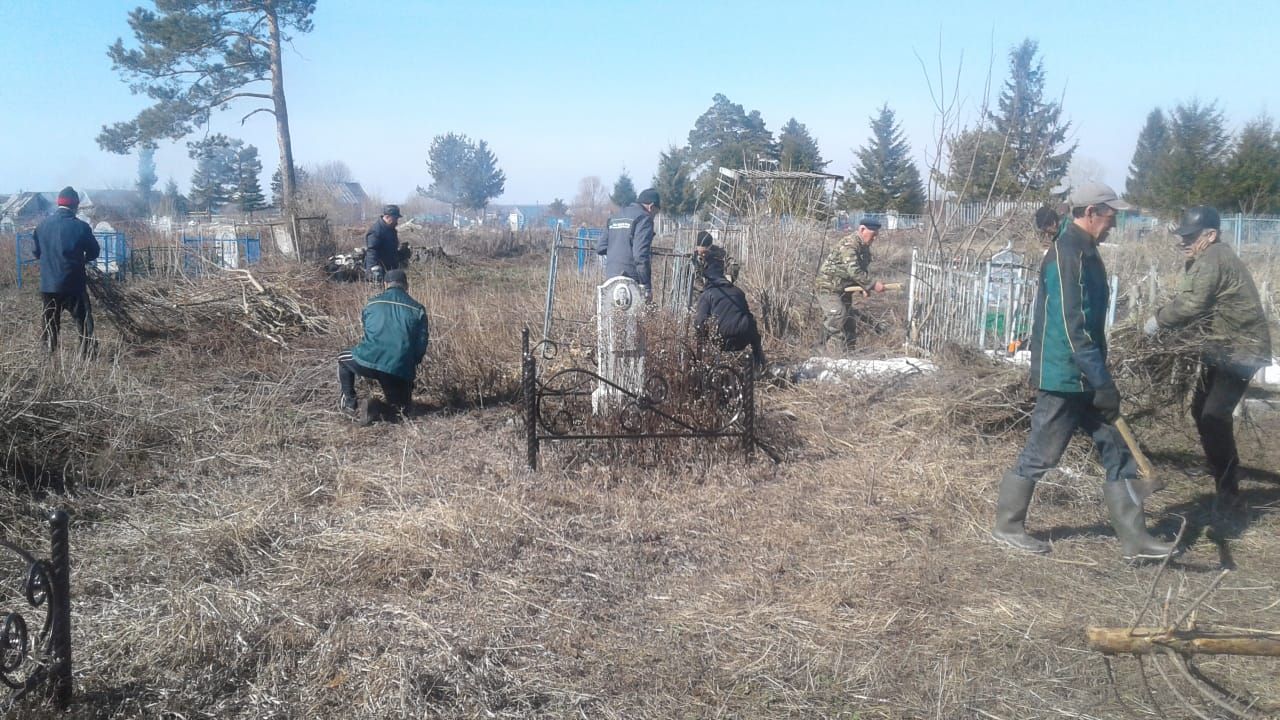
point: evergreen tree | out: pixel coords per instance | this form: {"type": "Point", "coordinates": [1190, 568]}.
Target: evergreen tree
{"type": "Point", "coordinates": [172, 202]}
{"type": "Point", "coordinates": [558, 208]}
{"type": "Point", "coordinates": [147, 173]}
{"type": "Point", "coordinates": [301, 177]}
{"type": "Point", "coordinates": [248, 170]}
{"type": "Point", "coordinates": [885, 178]}
{"type": "Point", "coordinates": [1153, 147]}
{"type": "Point", "coordinates": [1032, 127]}
{"type": "Point", "coordinates": [624, 191]}
{"type": "Point", "coordinates": [485, 181]}
{"type": "Point", "coordinates": [1253, 172]}
{"type": "Point", "coordinates": [214, 180]}
{"type": "Point", "coordinates": [1192, 172]}
{"type": "Point", "coordinates": [728, 136]}
{"type": "Point", "coordinates": [797, 150]}
{"type": "Point", "coordinates": [463, 174]}
{"type": "Point", "coordinates": [674, 182]}
{"type": "Point", "coordinates": [198, 56]}
{"type": "Point", "coordinates": [978, 166]}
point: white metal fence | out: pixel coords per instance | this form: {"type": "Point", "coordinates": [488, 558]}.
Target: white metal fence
{"type": "Point", "coordinates": [982, 304]}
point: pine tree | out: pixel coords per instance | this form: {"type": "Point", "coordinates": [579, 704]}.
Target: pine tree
{"type": "Point", "coordinates": [728, 136]}
{"type": "Point", "coordinates": [624, 191]}
{"type": "Point", "coordinates": [301, 177]}
{"type": "Point", "coordinates": [885, 178]}
{"type": "Point", "coordinates": [214, 180]}
{"type": "Point", "coordinates": [1253, 172]}
{"type": "Point", "coordinates": [198, 56]}
{"type": "Point", "coordinates": [463, 174]}
{"type": "Point", "coordinates": [1193, 170]}
{"type": "Point", "coordinates": [674, 182]}
{"type": "Point", "coordinates": [485, 181]}
{"type": "Point", "coordinates": [147, 173]}
{"type": "Point", "coordinates": [1153, 148]}
{"type": "Point", "coordinates": [172, 202]}
{"type": "Point", "coordinates": [248, 170]}
{"type": "Point", "coordinates": [978, 168]}
{"type": "Point", "coordinates": [1032, 128]}
{"type": "Point", "coordinates": [797, 150]}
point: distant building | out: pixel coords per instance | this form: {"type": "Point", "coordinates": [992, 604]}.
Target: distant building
{"type": "Point", "coordinates": [345, 203]}
{"type": "Point", "coordinates": [521, 217]}
{"type": "Point", "coordinates": [25, 210]}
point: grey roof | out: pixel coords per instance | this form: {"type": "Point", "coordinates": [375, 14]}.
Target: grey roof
{"type": "Point", "coordinates": [349, 193]}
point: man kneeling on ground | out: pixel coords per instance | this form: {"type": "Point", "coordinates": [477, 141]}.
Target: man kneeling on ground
{"type": "Point", "coordinates": [723, 307]}
{"type": "Point", "coordinates": [395, 341]}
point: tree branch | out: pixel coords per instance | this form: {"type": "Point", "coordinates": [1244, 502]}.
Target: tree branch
{"type": "Point", "coordinates": [255, 112]}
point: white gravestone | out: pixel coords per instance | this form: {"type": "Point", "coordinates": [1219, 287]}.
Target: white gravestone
{"type": "Point", "coordinates": [619, 341]}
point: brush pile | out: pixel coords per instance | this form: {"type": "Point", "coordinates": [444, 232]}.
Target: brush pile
{"type": "Point", "coordinates": [143, 311]}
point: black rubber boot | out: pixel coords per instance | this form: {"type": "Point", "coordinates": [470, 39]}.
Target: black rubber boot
{"type": "Point", "coordinates": [1011, 514]}
{"type": "Point", "coordinates": [1131, 525]}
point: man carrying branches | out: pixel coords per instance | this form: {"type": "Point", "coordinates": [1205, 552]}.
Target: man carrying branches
{"type": "Point", "coordinates": [1074, 388]}
{"type": "Point", "coordinates": [1217, 288]}
{"type": "Point", "coordinates": [847, 265]}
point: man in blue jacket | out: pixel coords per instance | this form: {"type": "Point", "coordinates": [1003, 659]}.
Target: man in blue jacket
{"type": "Point", "coordinates": [382, 244]}
{"type": "Point", "coordinates": [395, 341]}
{"type": "Point", "coordinates": [1074, 388]}
{"type": "Point", "coordinates": [628, 241]}
{"type": "Point", "coordinates": [64, 244]}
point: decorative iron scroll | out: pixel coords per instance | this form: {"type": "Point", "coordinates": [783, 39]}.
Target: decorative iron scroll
{"type": "Point", "coordinates": [32, 655]}
{"type": "Point", "coordinates": [559, 407]}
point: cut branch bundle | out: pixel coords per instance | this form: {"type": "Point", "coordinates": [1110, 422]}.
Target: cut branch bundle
{"type": "Point", "coordinates": [145, 311]}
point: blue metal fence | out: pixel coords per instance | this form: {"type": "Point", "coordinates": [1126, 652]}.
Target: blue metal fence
{"type": "Point", "coordinates": [113, 258]}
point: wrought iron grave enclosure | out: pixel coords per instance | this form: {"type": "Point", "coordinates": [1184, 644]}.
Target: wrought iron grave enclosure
{"type": "Point", "coordinates": [35, 655]}
{"type": "Point", "coordinates": [558, 407]}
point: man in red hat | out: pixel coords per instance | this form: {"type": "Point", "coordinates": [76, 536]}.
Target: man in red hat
{"type": "Point", "coordinates": [64, 244]}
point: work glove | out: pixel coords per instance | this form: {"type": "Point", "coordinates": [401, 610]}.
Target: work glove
{"type": "Point", "coordinates": [1107, 400]}
{"type": "Point", "coordinates": [1152, 327]}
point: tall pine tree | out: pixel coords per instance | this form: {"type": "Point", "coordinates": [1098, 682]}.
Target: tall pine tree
{"type": "Point", "coordinates": [1148, 158]}
{"type": "Point", "coordinates": [1033, 129]}
{"type": "Point", "coordinates": [1253, 172]}
{"type": "Point", "coordinates": [147, 173]}
{"type": "Point", "coordinates": [214, 180]}
{"type": "Point", "coordinates": [1193, 170]}
{"type": "Point", "coordinates": [884, 177]}
{"type": "Point", "coordinates": [797, 150]}
{"type": "Point", "coordinates": [248, 170]}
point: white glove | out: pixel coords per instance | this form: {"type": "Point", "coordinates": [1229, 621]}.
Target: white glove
{"type": "Point", "coordinates": [1152, 327]}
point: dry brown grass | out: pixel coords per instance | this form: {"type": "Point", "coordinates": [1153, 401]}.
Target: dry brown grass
{"type": "Point", "coordinates": [264, 558]}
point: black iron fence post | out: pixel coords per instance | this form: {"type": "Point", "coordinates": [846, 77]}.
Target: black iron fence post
{"type": "Point", "coordinates": [60, 596]}
{"type": "Point", "coordinates": [528, 381]}
{"type": "Point", "coordinates": [748, 407]}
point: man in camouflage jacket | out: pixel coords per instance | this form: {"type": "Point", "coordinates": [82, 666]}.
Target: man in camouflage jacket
{"type": "Point", "coordinates": [1217, 289]}
{"type": "Point", "coordinates": [847, 264]}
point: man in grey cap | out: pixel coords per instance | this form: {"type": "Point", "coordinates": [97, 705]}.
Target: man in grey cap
{"type": "Point", "coordinates": [847, 265]}
{"type": "Point", "coordinates": [1075, 390]}
{"type": "Point", "coordinates": [1217, 288]}
{"type": "Point", "coordinates": [382, 244]}
{"type": "Point", "coordinates": [395, 342]}
{"type": "Point", "coordinates": [628, 241]}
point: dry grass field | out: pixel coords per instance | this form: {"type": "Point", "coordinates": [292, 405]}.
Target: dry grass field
{"type": "Point", "coordinates": [242, 550]}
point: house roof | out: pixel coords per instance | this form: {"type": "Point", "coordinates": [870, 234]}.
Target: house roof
{"type": "Point", "coordinates": [348, 193]}
{"type": "Point", "coordinates": [28, 204]}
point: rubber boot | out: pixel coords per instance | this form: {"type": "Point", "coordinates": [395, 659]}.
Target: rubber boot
{"type": "Point", "coordinates": [1011, 514]}
{"type": "Point", "coordinates": [1131, 526]}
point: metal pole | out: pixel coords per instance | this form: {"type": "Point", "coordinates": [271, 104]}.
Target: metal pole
{"type": "Point", "coordinates": [911, 301]}
{"type": "Point", "coordinates": [548, 308]}
{"type": "Point", "coordinates": [1111, 302]}
{"type": "Point", "coordinates": [748, 408]}
{"type": "Point", "coordinates": [528, 382]}
{"type": "Point", "coordinates": [60, 604]}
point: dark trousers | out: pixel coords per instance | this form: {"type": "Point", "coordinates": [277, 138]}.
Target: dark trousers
{"type": "Point", "coordinates": [1217, 393]}
{"type": "Point", "coordinates": [1055, 419]}
{"type": "Point", "coordinates": [749, 338]}
{"type": "Point", "coordinates": [397, 390]}
{"type": "Point", "coordinates": [75, 303]}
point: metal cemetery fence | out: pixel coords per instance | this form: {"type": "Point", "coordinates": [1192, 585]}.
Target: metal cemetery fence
{"type": "Point", "coordinates": [113, 260]}
{"type": "Point", "coordinates": [575, 271]}
{"type": "Point", "coordinates": [37, 655]}
{"type": "Point", "coordinates": [969, 302]}
{"type": "Point", "coordinates": [558, 407]}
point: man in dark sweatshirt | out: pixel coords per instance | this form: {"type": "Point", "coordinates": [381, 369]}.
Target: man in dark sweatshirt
{"type": "Point", "coordinates": [64, 244]}
{"type": "Point", "coordinates": [722, 307]}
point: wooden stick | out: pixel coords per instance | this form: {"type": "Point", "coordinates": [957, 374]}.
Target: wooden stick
{"type": "Point", "coordinates": [1148, 482]}
{"type": "Point", "coordinates": [1148, 640]}
{"type": "Point", "coordinates": [859, 288]}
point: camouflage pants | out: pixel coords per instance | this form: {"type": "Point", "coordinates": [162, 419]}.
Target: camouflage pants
{"type": "Point", "coordinates": [839, 329]}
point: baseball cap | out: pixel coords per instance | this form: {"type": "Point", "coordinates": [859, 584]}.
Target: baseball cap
{"type": "Point", "coordinates": [1097, 193]}
{"type": "Point", "coordinates": [392, 210]}
{"type": "Point", "coordinates": [648, 195]}
{"type": "Point", "coordinates": [872, 223]}
{"type": "Point", "coordinates": [1197, 219]}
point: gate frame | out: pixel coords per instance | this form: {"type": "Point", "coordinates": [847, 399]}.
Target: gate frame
{"type": "Point", "coordinates": [47, 585]}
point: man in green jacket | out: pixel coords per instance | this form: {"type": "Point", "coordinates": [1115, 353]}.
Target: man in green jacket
{"type": "Point", "coordinates": [1217, 289]}
{"type": "Point", "coordinates": [1074, 387]}
{"type": "Point", "coordinates": [395, 341]}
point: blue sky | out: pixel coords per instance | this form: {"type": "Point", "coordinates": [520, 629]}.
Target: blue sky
{"type": "Point", "coordinates": [562, 90]}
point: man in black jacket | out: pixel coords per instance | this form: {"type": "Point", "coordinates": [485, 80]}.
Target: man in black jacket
{"type": "Point", "coordinates": [628, 241]}
{"type": "Point", "coordinates": [382, 244]}
{"type": "Point", "coordinates": [723, 307]}
{"type": "Point", "coordinates": [64, 244]}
